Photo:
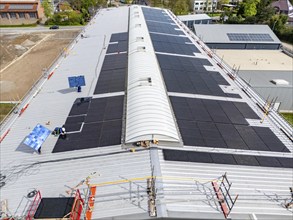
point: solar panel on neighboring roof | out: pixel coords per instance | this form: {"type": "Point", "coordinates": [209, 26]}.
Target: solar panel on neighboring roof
{"type": "Point", "coordinates": [249, 37]}
{"type": "Point", "coordinates": [37, 137]}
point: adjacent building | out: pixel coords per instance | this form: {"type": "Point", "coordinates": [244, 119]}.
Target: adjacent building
{"type": "Point", "coordinates": [190, 20]}
{"type": "Point", "coordinates": [14, 12]}
{"type": "Point", "coordinates": [201, 6]}
{"type": "Point", "coordinates": [220, 36]}
{"type": "Point", "coordinates": [284, 7]}
{"type": "Point", "coordinates": [271, 84]}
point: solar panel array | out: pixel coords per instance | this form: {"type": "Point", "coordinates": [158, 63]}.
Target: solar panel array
{"type": "Point", "coordinates": [188, 75]}
{"type": "Point", "coordinates": [92, 123]}
{"type": "Point", "coordinates": [249, 37]}
{"type": "Point", "coordinates": [172, 44]}
{"type": "Point", "coordinates": [156, 15]}
{"type": "Point", "coordinates": [219, 158]}
{"type": "Point", "coordinates": [207, 122]}
{"type": "Point", "coordinates": [113, 72]}
{"type": "Point", "coordinates": [222, 124]}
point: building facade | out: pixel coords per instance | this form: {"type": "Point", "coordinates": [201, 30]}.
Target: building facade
{"type": "Point", "coordinates": [20, 12]}
{"type": "Point", "coordinates": [201, 6]}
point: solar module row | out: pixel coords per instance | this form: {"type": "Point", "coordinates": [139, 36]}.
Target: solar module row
{"type": "Point", "coordinates": [188, 75]}
{"type": "Point", "coordinates": [222, 124]}
{"type": "Point", "coordinates": [163, 28]}
{"type": "Point", "coordinates": [174, 48]}
{"type": "Point", "coordinates": [121, 46]}
{"type": "Point", "coordinates": [219, 158]}
{"type": "Point", "coordinates": [119, 37]}
{"type": "Point", "coordinates": [99, 125]}
{"type": "Point", "coordinates": [112, 75]}
{"type": "Point", "coordinates": [169, 39]}
{"type": "Point", "coordinates": [111, 81]}
{"type": "Point", "coordinates": [115, 61]}
{"type": "Point", "coordinates": [156, 15]}
{"type": "Point", "coordinates": [249, 37]}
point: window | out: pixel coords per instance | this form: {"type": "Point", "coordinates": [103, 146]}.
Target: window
{"type": "Point", "coordinates": [4, 15]}
{"type": "Point", "coordinates": [32, 15]}
{"type": "Point", "coordinates": [12, 15]}
{"type": "Point", "coordinates": [21, 15]}
{"type": "Point", "coordinates": [21, 7]}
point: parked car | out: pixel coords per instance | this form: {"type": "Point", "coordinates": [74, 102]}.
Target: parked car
{"type": "Point", "coordinates": [54, 27]}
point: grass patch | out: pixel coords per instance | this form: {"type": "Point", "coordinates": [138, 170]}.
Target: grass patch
{"type": "Point", "coordinates": [20, 25]}
{"type": "Point", "coordinates": [5, 108]}
{"type": "Point", "coordinates": [288, 117]}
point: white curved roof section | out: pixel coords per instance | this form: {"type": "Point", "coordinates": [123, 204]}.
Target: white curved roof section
{"type": "Point", "coordinates": [148, 113]}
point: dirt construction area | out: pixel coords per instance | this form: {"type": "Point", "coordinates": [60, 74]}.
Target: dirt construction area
{"type": "Point", "coordinates": [26, 57]}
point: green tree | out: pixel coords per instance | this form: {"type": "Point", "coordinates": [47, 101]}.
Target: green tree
{"type": "Point", "coordinates": [222, 2]}
{"type": "Point", "coordinates": [264, 11]}
{"type": "Point", "coordinates": [278, 23]}
{"type": "Point", "coordinates": [248, 8]}
{"type": "Point", "coordinates": [179, 7]}
{"type": "Point", "coordinates": [48, 8]}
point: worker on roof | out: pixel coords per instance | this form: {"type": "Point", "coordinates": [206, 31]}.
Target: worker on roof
{"type": "Point", "coordinates": [60, 131]}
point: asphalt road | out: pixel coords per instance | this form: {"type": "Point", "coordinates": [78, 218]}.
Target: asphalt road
{"type": "Point", "coordinates": [19, 30]}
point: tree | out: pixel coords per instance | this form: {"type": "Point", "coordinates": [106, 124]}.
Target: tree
{"type": "Point", "coordinates": [48, 8]}
{"type": "Point", "coordinates": [181, 7]}
{"type": "Point", "coordinates": [264, 11]}
{"type": "Point", "coordinates": [248, 8]}
{"type": "Point", "coordinates": [222, 2]}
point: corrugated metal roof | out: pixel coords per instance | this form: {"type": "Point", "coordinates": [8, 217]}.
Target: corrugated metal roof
{"type": "Point", "coordinates": [183, 188]}
{"type": "Point", "coordinates": [217, 33]}
{"type": "Point", "coordinates": [148, 115]}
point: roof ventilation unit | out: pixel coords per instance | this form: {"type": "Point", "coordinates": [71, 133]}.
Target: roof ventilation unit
{"type": "Point", "coordinates": [279, 82]}
{"type": "Point", "coordinates": [141, 48]}
{"type": "Point", "coordinates": [138, 25]}
{"type": "Point", "coordinates": [139, 39]}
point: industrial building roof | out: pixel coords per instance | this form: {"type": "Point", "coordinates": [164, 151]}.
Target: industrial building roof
{"type": "Point", "coordinates": [221, 33]}
{"type": "Point", "coordinates": [194, 17]}
{"type": "Point", "coordinates": [264, 78]}
{"type": "Point", "coordinates": [148, 77]}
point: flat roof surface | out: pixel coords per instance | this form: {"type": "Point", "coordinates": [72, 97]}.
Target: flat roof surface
{"type": "Point", "coordinates": [219, 127]}
{"type": "Point", "coordinates": [263, 78]}
{"type": "Point", "coordinates": [229, 33]}
{"type": "Point", "coordinates": [273, 60]}
{"type": "Point", "coordinates": [194, 17]}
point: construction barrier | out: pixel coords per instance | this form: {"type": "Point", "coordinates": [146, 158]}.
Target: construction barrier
{"type": "Point", "coordinates": [50, 75]}
{"type": "Point", "coordinates": [77, 207]}
{"type": "Point", "coordinates": [91, 203]}
{"type": "Point", "coordinates": [34, 206]}
{"type": "Point", "coordinates": [4, 135]}
{"type": "Point", "coordinates": [23, 109]}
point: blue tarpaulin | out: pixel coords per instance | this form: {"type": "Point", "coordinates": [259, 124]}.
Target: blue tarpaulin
{"type": "Point", "coordinates": [37, 137]}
